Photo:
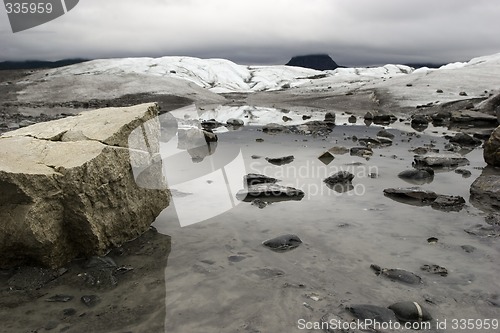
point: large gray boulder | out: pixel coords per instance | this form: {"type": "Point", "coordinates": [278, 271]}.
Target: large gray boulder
{"type": "Point", "coordinates": [79, 185]}
{"type": "Point", "coordinates": [492, 148]}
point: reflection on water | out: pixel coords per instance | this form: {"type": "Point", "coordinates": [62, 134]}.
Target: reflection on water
{"type": "Point", "coordinates": [343, 233]}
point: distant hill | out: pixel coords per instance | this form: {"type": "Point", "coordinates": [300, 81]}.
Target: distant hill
{"type": "Point", "coordinates": [429, 65]}
{"type": "Point", "coordinates": [34, 64]}
{"type": "Point", "coordinates": [314, 61]}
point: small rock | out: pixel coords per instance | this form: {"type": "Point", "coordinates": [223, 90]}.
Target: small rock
{"type": "Point", "coordinates": [432, 240]}
{"type": "Point", "coordinates": [90, 300]}
{"type": "Point", "coordinates": [413, 193]}
{"type": "Point", "coordinates": [419, 120]}
{"type": "Point", "coordinates": [385, 134]}
{"type": "Point", "coordinates": [330, 117]}
{"type": "Point", "coordinates": [441, 160]}
{"type": "Point", "coordinates": [255, 178]}
{"type": "Point", "coordinates": [417, 176]}
{"type": "Point", "coordinates": [270, 192]}
{"type": "Point", "coordinates": [462, 93]}
{"type": "Point", "coordinates": [280, 160]}
{"type": "Point", "coordinates": [274, 128]}
{"type": "Point", "coordinates": [283, 243]}
{"type": "Point", "coordinates": [368, 116]}
{"type": "Point", "coordinates": [361, 152]}
{"type": "Point", "coordinates": [337, 150]}
{"type": "Point", "coordinates": [435, 269]}
{"type": "Point", "coordinates": [465, 173]}
{"type": "Point", "coordinates": [285, 118]}
{"type": "Point", "coordinates": [259, 140]}
{"type": "Point", "coordinates": [340, 177]}
{"type": "Point", "coordinates": [352, 119]}
{"type": "Point", "coordinates": [448, 203]}
{"type": "Point", "coordinates": [259, 203]}
{"type": "Point", "coordinates": [236, 258]}
{"type": "Point", "coordinates": [464, 139]}
{"type": "Point", "coordinates": [235, 122]}
{"type": "Point", "coordinates": [410, 312]}
{"type": "Point", "coordinates": [384, 119]}
{"type": "Point", "coordinates": [439, 91]}
{"type": "Point", "coordinates": [304, 117]}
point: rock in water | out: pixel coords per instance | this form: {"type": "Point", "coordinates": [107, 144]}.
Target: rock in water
{"type": "Point", "coordinates": [340, 177]}
{"type": "Point", "coordinates": [283, 243]}
{"type": "Point", "coordinates": [269, 193]}
{"type": "Point", "coordinates": [314, 61]}
{"type": "Point", "coordinates": [492, 149]}
{"type": "Point", "coordinates": [255, 178]}
{"type": "Point", "coordinates": [280, 160]}
{"type": "Point", "coordinates": [417, 176]}
{"type": "Point", "coordinates": [72, 186]}
{"type": "Point", "coordinates": [441, 160]}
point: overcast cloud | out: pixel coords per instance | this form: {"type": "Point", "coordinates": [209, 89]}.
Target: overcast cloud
{"type": "Point", "coordinates": [353, 32]}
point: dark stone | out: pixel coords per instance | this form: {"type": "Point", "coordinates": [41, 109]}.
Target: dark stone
{"type": "Point", "coordinates": [285, 118]}
{"type": "Point", "coordinates": [417, 176]}
{"type": "Point", "coordinates": [269, 193]}
{"type": "Point", "coordinates": [462, 93]}
{"type": "Point", "coordinates": [330, 117]}
{"type": "Point", "coordinates": [338, 150]}
{"type": "Point", "coordinates": [372, 312]}
{"type": "Point", "coordinates": [90, 300]}
{"type": "Point", "coordinates": [439, 91]}
{"type": "Point", "coordinates": [283, 243]}
{"type": "Point", "coordinates": [235, 122]}
{"type": "Point", "coordinates": [361, 152]}
{"type": "Point", "coordinates": [259, 203]}
{"type": "Point", "coordinates": [419, 120]}
{"type": "Point", "coordinates": [412, 193]}
{"type": "Point", "coordinates": [236, 258]}
{"type": "Point", "coordinates": [210, 124]}
{"type": "Point", "coordinates": [314, 61]}
{"type": "Point", "coordinates": [396, 274]}
{"type": "Point", "coordinates": [352, 119]}
{"type": "Point", "coordinates": [384, 119]}
{"type": "Point", "coordinates": [448, 203]}
{"type": "Point", "coordinates": [491, 151]}
{"type": "Point", "coordinates": [340, 177]}
{"type": "Point", "coordinates": [435, 269]}
{"type": "Point", "coordinates": [368, 116]}
{"type": "Point", "coordinates": [441, 160]}
{"type": "Point", "coordinates": [304, 117]}
{"type": "Point", "coordinates": [410, 312]}
{"type": "Point", "coordinates": [280, 160]}
{"type": "Point", "coordinates": [464, 139]}
{"type": "Point", "coordinates": [485, 190]}
{"type": "Point", "coordinates": [255, 178]}
{"type": "Point", "coordinates": [385, 134]}
{"type": "Point", "coordinates": [273, 128]}
{"type": "Point", "coordinates": [465, 173]}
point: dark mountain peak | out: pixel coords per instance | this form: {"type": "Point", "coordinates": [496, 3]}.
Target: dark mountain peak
{"type": "Point", "coordinates": [314, 61]}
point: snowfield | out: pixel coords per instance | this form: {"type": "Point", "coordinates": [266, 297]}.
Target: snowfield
{"type": "Point", "coordinates": [206, 78]}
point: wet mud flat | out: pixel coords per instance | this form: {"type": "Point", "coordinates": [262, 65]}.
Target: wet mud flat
{"type": "Point", "coordinates": [214, 274]}
{"type": "Point", "coordinates": [220, 276]}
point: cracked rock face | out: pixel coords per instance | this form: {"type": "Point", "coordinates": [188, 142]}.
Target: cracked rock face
{"type": "Point", "coordinates": [79, 185]}
{"type": "Point", "coordinates": [492, 148]}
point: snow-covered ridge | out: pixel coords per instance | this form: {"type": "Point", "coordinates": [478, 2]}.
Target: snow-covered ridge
{"type": "Point", "coordinates": [220, 75]}
{"type": "Point", "coordinates": [191, 77]}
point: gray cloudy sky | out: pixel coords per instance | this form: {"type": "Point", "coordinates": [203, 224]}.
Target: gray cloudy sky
{"type": "Point", "coordinates": [353, 32]}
